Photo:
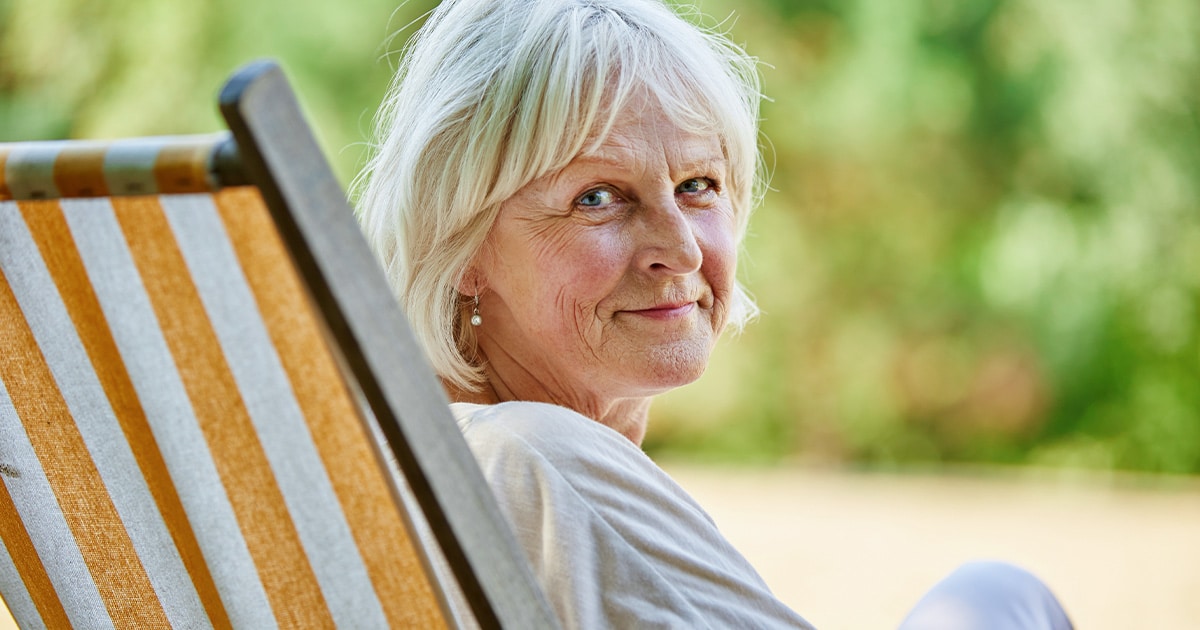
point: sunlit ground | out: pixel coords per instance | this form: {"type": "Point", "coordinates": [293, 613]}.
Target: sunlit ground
{"type": "Point", "coordinates": [858, 550]}
{"type": "Point", "coordinates": [855, 551]}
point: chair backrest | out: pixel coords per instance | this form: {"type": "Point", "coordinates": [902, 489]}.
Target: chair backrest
{"type": "Point", "coordinates": [212, 413]}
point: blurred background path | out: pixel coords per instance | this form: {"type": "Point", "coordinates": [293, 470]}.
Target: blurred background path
{"type": "Point", "coordinates": [855, 550]}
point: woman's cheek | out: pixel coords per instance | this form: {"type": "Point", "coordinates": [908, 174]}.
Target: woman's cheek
{"type": "Point", "coordinates": [720, 254]}
{"type": "Point", "coordinates": [586, 277]}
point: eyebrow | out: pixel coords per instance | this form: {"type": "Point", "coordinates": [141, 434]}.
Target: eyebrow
{"type": "Point", "coordinates": [599, 159]}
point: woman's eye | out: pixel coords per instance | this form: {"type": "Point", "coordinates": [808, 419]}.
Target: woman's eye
{"type": "Point", "coordinates": [597, 198]}
{"type": "Point", "coordinates": [695, 185]}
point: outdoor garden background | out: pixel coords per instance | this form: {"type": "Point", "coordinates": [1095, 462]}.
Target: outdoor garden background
{"type": "Point", "coordinates": [980, 250]}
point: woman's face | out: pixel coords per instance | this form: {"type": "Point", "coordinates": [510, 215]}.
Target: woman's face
{"type": "Point", "coordinates": [612, 278]}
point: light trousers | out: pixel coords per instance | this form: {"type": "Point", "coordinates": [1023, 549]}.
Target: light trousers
{"type": "Point", "coordinates": [988, 596]}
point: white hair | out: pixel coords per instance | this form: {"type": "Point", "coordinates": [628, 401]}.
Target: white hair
{"type": "Point", "coordinates": [492, 94]}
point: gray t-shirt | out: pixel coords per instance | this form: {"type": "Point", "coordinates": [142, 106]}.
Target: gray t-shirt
{"type": "Point", "coordinates": [614, 542]}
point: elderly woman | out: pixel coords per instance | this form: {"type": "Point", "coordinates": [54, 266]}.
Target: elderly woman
{"type": "Point", "coordinates": [558, 196]}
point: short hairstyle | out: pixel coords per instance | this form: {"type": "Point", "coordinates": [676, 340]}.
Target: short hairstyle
{"type": "Point", "coordinates": [492, 94]}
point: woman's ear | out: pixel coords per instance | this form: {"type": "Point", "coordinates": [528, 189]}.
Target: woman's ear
{"type": "Point", "coordinates": [472, 281]}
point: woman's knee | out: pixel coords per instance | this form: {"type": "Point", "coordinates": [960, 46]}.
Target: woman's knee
{"type": "Point", "coordinates": [988, 595]}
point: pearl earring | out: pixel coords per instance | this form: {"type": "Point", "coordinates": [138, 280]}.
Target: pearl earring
{"type": "Point", "coordinates": [476, 318]}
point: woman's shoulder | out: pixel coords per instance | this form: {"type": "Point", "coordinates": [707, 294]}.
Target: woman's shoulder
{"type": "Point", "coordinates": [535, 453]}
{"type": "Point", "coordinates": [613, 540]}
{"type": "Point", "coordinates": [552, 431]}
{"type": "Point", "coordinates": [519, 414]}
{"type": "Point", "coordinates": [530, 447]}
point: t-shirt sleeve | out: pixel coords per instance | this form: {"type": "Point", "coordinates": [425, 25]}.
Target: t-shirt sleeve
{"type": "Point", "coordinates": [613, 541]}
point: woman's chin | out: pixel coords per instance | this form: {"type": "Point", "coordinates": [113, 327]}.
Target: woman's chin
{"type": "Point", "coordinates": [675, 365]}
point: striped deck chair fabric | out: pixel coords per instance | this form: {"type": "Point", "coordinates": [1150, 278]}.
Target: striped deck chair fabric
{"type": "Point", "coordinates": [187, 438]}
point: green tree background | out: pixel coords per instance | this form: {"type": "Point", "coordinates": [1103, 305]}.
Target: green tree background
{"type": "Point", "coordinates": [982, 242]}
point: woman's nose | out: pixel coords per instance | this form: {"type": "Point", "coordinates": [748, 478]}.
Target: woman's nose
{"type": "Point", "coordinates": [667, 240]}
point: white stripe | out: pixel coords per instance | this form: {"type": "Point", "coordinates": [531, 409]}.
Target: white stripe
{"type": "Point", "coordinates": [49, 532]}
{"type": "Point", "coordinates": [12, 587]}
{"type": "Point", "coordinates": [102, 434]}
{"type": "Point", "coordinates": [277, 417]}
{"type": "Point", "coordinates": [33, 495]}
{"type": "Point", "coordinates": [148, 359]}
{"type": "Point", "coordinates": [129, 166]}
{"type": "Point", "coordinates": [29, 170]}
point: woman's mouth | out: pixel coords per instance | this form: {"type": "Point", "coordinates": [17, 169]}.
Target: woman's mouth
{"type": "Point", "coordinates": [666, 311]}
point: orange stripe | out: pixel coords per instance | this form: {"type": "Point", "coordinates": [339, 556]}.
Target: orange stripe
{"type": "Point", "coordinates": [77, 486]}
{"type": "Point", "coordinates": [50, 231]}
{"type": "Point", "coordinates": [182, 167]}
{"type": "Point", "coordinates": [341, 439]}
{"type": "Point", "coordinates": [79, 171]}
{"type": "Point", "coordinates": [270, 534]}
{"type": "Point", "coordinates": [28, 563]}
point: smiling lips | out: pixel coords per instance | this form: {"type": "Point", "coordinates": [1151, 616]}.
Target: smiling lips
{"type": "Point", "coordinates": [666, 311]}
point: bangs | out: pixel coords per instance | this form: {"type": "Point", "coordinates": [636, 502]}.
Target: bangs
{"type": "Point", "coordinates": [595, 67]}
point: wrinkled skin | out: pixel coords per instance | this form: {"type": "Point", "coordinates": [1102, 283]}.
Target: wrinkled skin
{"type": "Point", "coordinates": [609, 281]}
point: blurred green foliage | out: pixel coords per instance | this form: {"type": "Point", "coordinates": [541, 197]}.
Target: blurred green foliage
{"type": "Point", "coordinates": [982, 243]}
{"type": "Point", "coordinates": [984, 240]}
{"type": "Point", "coordinates": [82, 69]}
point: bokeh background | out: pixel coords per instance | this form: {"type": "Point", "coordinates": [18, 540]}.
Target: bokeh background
{"type": "Point", "coordinates": [982, 242]}
{"type": "Point", "coordinates": [981, 249]}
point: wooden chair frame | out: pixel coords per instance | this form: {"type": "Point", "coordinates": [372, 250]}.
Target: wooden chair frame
{"type": "Point", "coordinates": [272, 148]}
{"type": "Point", "coordinates": [310, 209]}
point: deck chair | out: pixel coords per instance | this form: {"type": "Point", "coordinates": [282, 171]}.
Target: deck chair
{"type": "Point", "coordinates": [212, 412]}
